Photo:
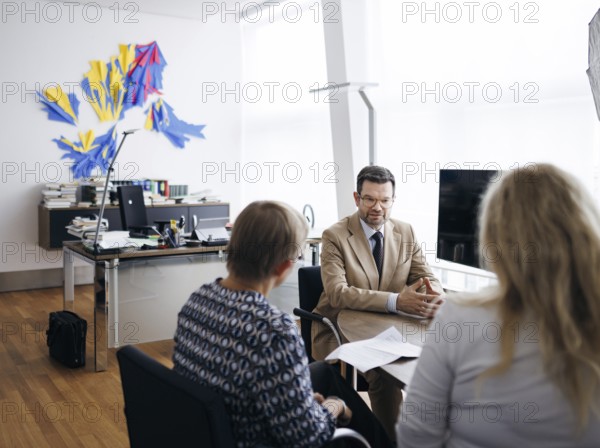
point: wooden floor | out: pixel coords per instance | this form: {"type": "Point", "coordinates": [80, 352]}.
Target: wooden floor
{"type": "Point", "coordinates": [44, 404]}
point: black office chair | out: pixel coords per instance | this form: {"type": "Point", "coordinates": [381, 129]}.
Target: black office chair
{"type": "Point", "coordinates": [310, 287]}
{"type": "Point", "coordinates": [163, 408]}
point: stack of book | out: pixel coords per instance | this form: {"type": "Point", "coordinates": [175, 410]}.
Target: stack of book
{"type": "Point", "coordinates": [117, 241]}
{"type": "Point", "coordinates": [155, 191]}
{"type": "Point", "coordinates": [178, 190]}
{"type": "Point", "coordinates": [159, 186]}
{"type": "Point", "coordinates": [85, 228]}
{"type": "Point", "coordinates": [198, 197]}
{"type": "Point", "coordinates": [154, 186]}
{"type": "Point", "coordinates": [59, 195]}
{"type": "Point", "coordinates": [91, 192]}
{"type": "Point", "coordinates": [157, 199]}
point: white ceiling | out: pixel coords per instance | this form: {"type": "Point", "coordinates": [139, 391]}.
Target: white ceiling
{"type": "Point", "coordinates": [185, 9]}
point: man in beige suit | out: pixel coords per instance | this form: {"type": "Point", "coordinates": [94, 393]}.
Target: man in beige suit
{"type": "Point", "coordinates": [370, 262]}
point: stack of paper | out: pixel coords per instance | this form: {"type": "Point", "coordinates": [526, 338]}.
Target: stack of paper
{"type": "Point", "coordinates": [84, 227]}
{"type": "Point", "coordinates": [119, 239]}
{"type": "Point", "coordinates": [383, 349]}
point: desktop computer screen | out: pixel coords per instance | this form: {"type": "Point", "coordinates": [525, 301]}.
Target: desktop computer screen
{"type": "Point", "coordinates": [460, 195]}
{"type": "Point", "coordinates": [132, 207]}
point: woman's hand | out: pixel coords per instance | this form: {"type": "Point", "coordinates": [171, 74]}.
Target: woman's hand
{"type": "Point", "coordinates": [337, 407]}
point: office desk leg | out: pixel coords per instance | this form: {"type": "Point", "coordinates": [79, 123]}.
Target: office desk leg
{"type": "Point", "coordinates": [68, 280]}
{"type": "Point", "coordinates": [315, 250]}
{"type": "Point", "coordinates": [113, 299]}
{"type": "Point", "coordinates": [105, 291]}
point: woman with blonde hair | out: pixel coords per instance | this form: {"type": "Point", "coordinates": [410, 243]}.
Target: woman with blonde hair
{"type": "Point", "coordinates": [519, 363]}
{"type": "Point", "coordinates": [232, 340]}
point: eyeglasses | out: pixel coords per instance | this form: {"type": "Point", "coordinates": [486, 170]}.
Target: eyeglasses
{"type": "Point", "coordinates": [370, 202]}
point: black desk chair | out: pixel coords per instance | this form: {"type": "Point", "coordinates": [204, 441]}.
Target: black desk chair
{"type": "Point", "coordinates": [310, 287]}
{"type": "Point", "coordinates": [163, 408]}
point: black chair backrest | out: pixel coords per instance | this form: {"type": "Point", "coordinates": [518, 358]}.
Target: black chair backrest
{"type": "Point", "coordinates": [131, 206]}
{"type": "Point", "coordinates": [310, 287]}
{"type": "Point", "coordinates": [163, 408]}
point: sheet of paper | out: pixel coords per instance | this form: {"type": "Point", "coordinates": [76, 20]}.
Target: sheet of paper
{"type": "Point", "coordinates": [386, 347]}
{"type": "Point", "coordinates": [120, 239]}
{"type": "Point", "coordinates": [125, 244]}
{"type": "Point", "coordinates": [139, 242]}
{"type": "Point", "coordinates": [115, 235]}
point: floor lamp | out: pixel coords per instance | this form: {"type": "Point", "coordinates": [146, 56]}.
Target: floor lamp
{"type": "Point", "coordinates": [108, 173]}
{"type": "Point", "coordinates": [361, 87]}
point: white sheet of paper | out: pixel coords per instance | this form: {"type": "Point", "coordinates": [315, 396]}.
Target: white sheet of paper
{"type": "Point", "coordinates": [382, 349]}
{"type": "Point", "coordinates": [115, 235]}
{"type": "Point", "coordinates": [119, 239]}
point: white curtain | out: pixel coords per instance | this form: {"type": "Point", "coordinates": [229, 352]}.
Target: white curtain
{"type": "Point", "coordinates": [287, 132]}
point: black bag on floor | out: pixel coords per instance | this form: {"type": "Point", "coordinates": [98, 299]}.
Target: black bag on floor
{"type": "Point", "coordinates": [66, 338]}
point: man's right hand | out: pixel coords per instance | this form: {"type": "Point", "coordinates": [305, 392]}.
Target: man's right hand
{"type": "Point", "coordinates": [421, 304]}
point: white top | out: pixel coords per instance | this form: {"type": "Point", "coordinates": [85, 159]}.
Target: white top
{"type": "Point", "coordinates": [520, 408]}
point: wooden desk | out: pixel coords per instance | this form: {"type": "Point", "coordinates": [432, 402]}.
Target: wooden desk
{"type": "Point", "coordinates": [106, 287]}
{"type": "Point", "coordinates": [359, 325]}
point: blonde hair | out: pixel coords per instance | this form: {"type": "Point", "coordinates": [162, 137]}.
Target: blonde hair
{"type": "Point", "coordinates": [264, 235]}
{"type": "Point", "coordinates": [545, 230]}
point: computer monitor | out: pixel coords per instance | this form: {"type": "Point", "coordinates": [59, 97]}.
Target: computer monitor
{"type": "Point", "coordinates": [460, 196]}
{"type": "Point", "coordinates": [132, 207]}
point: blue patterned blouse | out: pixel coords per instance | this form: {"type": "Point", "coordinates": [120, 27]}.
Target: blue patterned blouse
{"type": "Point", "coordinates": [251, 353]}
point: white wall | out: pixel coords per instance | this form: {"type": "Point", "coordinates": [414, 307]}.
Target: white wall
{"type": "Point", "coordinates": [35, 52]}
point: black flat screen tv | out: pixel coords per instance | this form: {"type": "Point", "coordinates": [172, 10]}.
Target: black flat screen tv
{"type": "Point", "coordinates": [460, 195]}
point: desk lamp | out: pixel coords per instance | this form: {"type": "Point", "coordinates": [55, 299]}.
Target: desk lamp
{"type": "Point", "coordinates": [108, 173]}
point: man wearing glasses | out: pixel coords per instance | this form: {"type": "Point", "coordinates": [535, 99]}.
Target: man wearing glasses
{"type": "Point", "coordinates": [370, 262]}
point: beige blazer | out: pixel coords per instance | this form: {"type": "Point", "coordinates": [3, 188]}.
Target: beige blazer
{"type": "Point", "coordinates": [350, 277]}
